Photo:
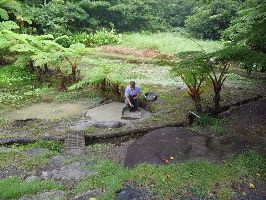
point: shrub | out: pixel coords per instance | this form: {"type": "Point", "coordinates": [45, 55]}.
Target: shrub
{"type": "Point", "coordinates": [101, 37]}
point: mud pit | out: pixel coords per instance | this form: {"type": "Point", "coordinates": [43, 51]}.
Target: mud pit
{"type": "Point", "coordinates": [46, 111]}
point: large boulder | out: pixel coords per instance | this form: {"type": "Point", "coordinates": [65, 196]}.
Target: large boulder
{"type": "Point", "coordinates": [175, 144]}
{"type": "Point", "coordinates": [167, 144]}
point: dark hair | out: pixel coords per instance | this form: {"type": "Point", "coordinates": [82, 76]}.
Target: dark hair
{"type": "Point", "coordinates": [132, 83]}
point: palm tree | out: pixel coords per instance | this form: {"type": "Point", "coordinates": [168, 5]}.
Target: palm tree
{"type": "Point", "coordinates": [8, 6]}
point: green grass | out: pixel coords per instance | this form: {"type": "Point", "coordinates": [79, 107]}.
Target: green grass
{"type": "Point", "coordinates": [23, 161]}
{"type": "Point", "coordinates": [215, 125]}
{"type": "Point", "coordinates": [14, 187]}
{"type": "Point", "coordinates": [167, 42]}
{"type": "Point", "coordinates": [202, 178]}
{"type": "Point", "coordinates": [16, 156]}
{"type": "Point", "coordinates": [52, 145]}
{"type": "Point", "coordinates": [143, 73]}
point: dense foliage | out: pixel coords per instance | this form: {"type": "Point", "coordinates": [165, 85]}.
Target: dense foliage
{"type": "Point", "coordinates": [249, 28]}
{"type": "Point", "coordinates": [8, 7]}
{"type": "Point", "coordinates": [45, 34]}
{"type": "Point", "coordinates": [208, 21]}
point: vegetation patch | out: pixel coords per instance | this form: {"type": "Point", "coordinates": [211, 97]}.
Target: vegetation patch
{"type": "Point", "coordinates": [168, 42]}
{"type": "Point", "coordinates": [213, 124]}
{"type": "Point", "coordinates": [17, 157]}
{"type": "Point", "coordinates": [14, 187]}
{"type": "Point", "coordinates": [200, 178]}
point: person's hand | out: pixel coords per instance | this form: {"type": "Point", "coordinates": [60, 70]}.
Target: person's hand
{"type": "Point", "coordinates": [135, 97]}
{"type": "Point", "coordinates": [131, 105]}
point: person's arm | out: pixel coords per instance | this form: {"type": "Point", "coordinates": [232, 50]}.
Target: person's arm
{"type": "Point", "coordinates": [138, 93]}
{"type": "Point", "coordinates": [128, 100]}
{"type": "Point", "coordinates": [127, 97]}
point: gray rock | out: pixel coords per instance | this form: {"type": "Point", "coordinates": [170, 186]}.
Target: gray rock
{"type": "Point", "coordinates": [87, 195]}
{"type": "Point", "coordinates": [58, 160]}
{"type": "Point", "coordinates": [45, 175]}
{"type": "Point", "coordinates": [36, 151]}
{"type": "Point", "coordinates": [32, 178]}
{"type": "Point", "coordinates": [81, 125]}
{"type": "Point", "coordinates": [130, 193]}
{"type": "Point", "coordinates": [108, 124]}
{"type": "Point", "coordinates": [74, 151]}
{"type": "Point", "coordinates": [54, 194]}
{"type": "Point", "coordinates": [72, 171]}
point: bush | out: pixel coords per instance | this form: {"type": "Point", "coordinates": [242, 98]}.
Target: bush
{"type": "Point", "coordinates": [101, 37]}
{"type": "Point", "coordinates": [64, 40]}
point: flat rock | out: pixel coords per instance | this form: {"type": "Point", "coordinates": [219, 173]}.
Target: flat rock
{"type": "Point", "coordinates": [58, 160]}
{"type": "Point", "coordinates": [81, 125]}
{"type": "Point", "coordinates": [54, 194]}
{"type": "Point", "coordinates": [113, 112]}
{"type": "Point", "coordinates": [132, 115]}
{"type": "Point", "coordinates": [72, 171]}
{"type": "Point", "coordinates": [89, 194]}
{"type": "Point", "coordinates": [107, 112]}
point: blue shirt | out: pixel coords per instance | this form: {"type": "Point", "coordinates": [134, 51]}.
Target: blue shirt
{"type": "Point", "coordinates": [130, 92]}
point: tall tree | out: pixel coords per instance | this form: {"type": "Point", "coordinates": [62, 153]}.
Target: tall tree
{"type": "Point", "coordinates": [210, 20]}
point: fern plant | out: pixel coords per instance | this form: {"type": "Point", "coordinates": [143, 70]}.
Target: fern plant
{"type": "Point", "coordinates": [8, 6]}
{"type": "Point", "coordinates": [194, 74]}
{"type": "Point", "coordinates": [104, 75]}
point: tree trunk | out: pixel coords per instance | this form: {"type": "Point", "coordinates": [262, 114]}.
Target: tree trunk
{"type": "Point", "coordinates": [63, 83]}
{"type": "Point", "coordinates": [30, 65]}
{"type": "Point", "coordinates": [249, 72]}
{"type": "Point", "coordinates": [103, 85]}
{"type": "Point", "coordinates": [74, 69]}
{"type": "Point", "coordinates": [197, 100]}
{"type": "Point", "coordinates": [216, 99]}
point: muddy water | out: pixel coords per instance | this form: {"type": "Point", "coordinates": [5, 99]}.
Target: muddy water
{"type": "Point", "coordinates": [111, 112]}
{"type": "Point", "coordinates": [47, 111]}
{"type": "Point", "coordinates": [107, 112]}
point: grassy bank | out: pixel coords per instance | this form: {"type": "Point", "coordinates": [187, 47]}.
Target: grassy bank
{"type": "Point", "coordinates": [201, 178]}
{"type": "Point", "coordinates": [168, 42]}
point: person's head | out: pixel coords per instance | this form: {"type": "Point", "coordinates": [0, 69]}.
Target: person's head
{"type": "Point", "coordinates": [132, 85]}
